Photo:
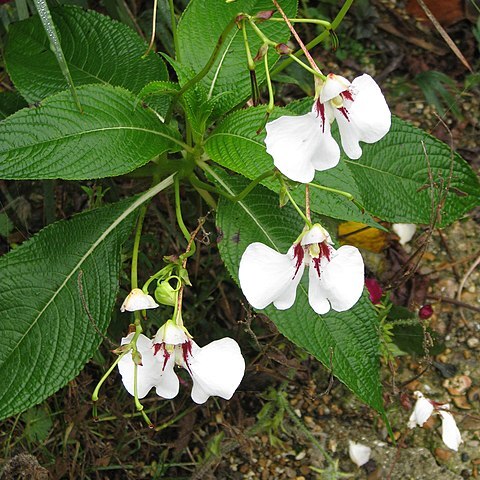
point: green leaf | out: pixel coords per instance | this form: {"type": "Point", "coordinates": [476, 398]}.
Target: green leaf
{"type": "Point", "coordinates": [393, 177]}
{"type": "Point", "coordinates": [38, 424]}
{"type": "Point", "coordinates": [236, 145]}
{"type": "Point", "coordinates": [46, 335]}
{"type": "Point", "coordinates": [348, 341]}
{"type": "Point", "coordinates": [109, 138]}
{"type": "Point", "coordinates": [97, 50]}
{"type": "Point", "coordinates": [10, 102]}
{"type": "Point", "coordinates": [198, 32]}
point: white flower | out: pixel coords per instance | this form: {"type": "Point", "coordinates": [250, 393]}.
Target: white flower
{"type": "Point", "coordinates": [422, 411]}
{"type": "Point", "coordinates": [405, 231]}
{"type": "Point", "coordinates": [336, 277]}
{"type": "Point", "coordinates": [302, 144]}
{"type": "Point", "coordinates": [216, 369]}
{"type": "Point", "coordinates": [138, 300]}
{"type": "Point", "coordinates": [450, 433]}
{"type": "Point", "coordinates": [359, 454]}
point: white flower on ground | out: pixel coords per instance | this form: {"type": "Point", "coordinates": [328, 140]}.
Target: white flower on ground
{"type": "Point", "coordinates": [302, 144]}
{"type": "Point", "coordinates": [216, 369]}
{"type": "Point", "coordinates": [423, 410]}
{"type": "Point", "coordinates": [336, 277]}
{"type": "Point", "coordinates": [138, 300]}
{"type": "Point", "coordinates": [359, 454]}
{"type": "Point", "coordinates": [450, 433]}
{"type": "Point", "coordinates": [405, 232]}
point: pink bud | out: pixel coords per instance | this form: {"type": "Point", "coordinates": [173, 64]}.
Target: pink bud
{"type": "Point", "coordinates": [283, 49]}
{"type": "Point", "coordinates": [425, 312]}
{"type": "Point", "coordinates": [375, 291]}
{"type": "Point", "coordinates": [265, 15]}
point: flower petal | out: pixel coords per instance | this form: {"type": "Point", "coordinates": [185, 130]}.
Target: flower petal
{"type": "Point", "coordinates": [369, 118]}
{"type": "Point", "coordinates": [171, 334]}
{"type": "Point", "coordinates": [359, 454]}
{"type": "Point", "coordinates": [405, 231]}
{"type": "Point", "coordinates": [138, 300]}
{"type": "Point", "coordinates": [450, 433]}
{"type": "Point", "coordinates": [299, 147]}
{"type": "Point", "coordinates": [216, 369]}
{"type": "Point", "coordinates": [422, 411]}
{"type": "Point", "coordinates": [168, 384]}
{"type": "Point", "coordinates": [148, 374]}
{"type": "Point", "coordinates": [268, 276]}
{"type": "Point", "coordinates": [317, 234]}
{"type": "Point", "coordinates": [334, 85]}
{"type": "Point", "coordinates": [343, 278]}
{"type": "Point", "coordinates": [317, 295]}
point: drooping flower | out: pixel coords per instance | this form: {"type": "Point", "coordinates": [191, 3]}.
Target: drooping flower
{"type": "Point", "coordinates": [359, 454]}
{"type": "Point", "coordinates": [336, 277]}
{"type": "Point", "coordinates": [423, 410]}
{"type": "Point", "coordinates": [216, 369]}
{"type": "Point", "coordinates": [302, 144]}
{"type": "Point", "coordinates": [137, 299]}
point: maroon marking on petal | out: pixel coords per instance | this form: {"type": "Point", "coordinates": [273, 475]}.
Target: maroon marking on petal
{"type": "Point", "coordinates": [320, 108]}
{"type": "Point", "coordinates": [187, 350]}
{"type": "Point", "coordinates": [316, 264]}
{"type": "Point", "coordinates": [166, 356]}
{"type": "Point", "coordinates": [347, 95]}
{"type": "Point", "coordinates": [157, 347]}
{"type": "Point", "coordinates": [299, 255]}
{"type": "Point", "coordinates": [344, 112]}
{"type": "Point", "coordinates": [324, 250]}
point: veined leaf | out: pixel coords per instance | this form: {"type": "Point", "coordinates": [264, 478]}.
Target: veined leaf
{"type": "Point", "coordinates": [346, 342]}
{"type": "Point", "coordinates": [46, 335]}
{"type": "Point", "coordinates": [97, 50]}
{"type": "Point", "coordinates": [10, 102]}
{"type": "Point", "coordinates": [198, 32]}
{"type": "Point", "coordinates": [109, 138]}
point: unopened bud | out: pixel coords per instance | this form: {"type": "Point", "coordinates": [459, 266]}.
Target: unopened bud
{"type": "Point", "coordinates": [165, 293]}
{"type": "Point", "coordinates": [265, 15]}
{"type": "Point", "coordinates": [183, 274]}
{"type": "Point", "coordinates": [137, 358]}
{"type": "Point", "coordinates": [121, 349]}
{"type": "Point", "coordinates": [261, 52]}
{"type": "Point", "coordinates": [425, 312]}
{"type": "Point", "coordinates": [239, 18]}
{"type": "Point", "coordinates": [283, 49]}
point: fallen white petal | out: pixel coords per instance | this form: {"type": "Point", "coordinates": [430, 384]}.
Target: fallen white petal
{"type": "Point", "coordinates": [268, 276]}
{"type": "Point", "coordinates": [422, 411]}
{"type": "Point", "coordinates": [359, 454]}
{"type": "Point", "coordinates": [138, 300]}
{"type": "Point", "coordinates": [405, 231]}
{"type": "Point", "coordinates": [450, 433]}
{"type": "Point", "coordinates": [216, 369]}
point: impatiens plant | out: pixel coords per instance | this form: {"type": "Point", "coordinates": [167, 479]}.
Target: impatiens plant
{"type": "Point", "coordinates": [97, 103]}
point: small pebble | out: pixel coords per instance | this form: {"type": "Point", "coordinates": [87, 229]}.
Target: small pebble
{"type": "Point", "coordinates": [473, 342]}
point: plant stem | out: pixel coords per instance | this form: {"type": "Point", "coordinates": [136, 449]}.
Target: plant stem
{"type": "Point", "coordinates": [154, 29]}
{"type": "Point", "coordinates": [297, 208]}
{"type": "Point", "coordinates": [271, 98]}
{"type": "Point", "coordinates": [306, 67]}
{"type": "Point", "coordinates": [178, 211]}
{"type": "Point", "coordinates": [324, 23]}
{"type": "Point", "coordinates": [173, 24]}
{"type": "Point", "coordinates": [136, 245]}
{"type": "Point", "coordinates": [339, 192]}
{"type": "Point", "coordinates": [105, 376]}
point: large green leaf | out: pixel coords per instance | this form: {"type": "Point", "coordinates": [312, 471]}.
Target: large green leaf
{"type": "Point", "coordinates": [198, 32]}
{"type": "Point", "coordinates": [55, 140]}
{"type": "Point", "coordinates": [348, 341]}
{"type": "Point", "coordinates": [10, 102]}
{"type": "Point", "coordinates": [97, 50]}
{"type": "Point", "coordinates": [236, 145]}
{"type": "Point", "coordinates": [46, 335]}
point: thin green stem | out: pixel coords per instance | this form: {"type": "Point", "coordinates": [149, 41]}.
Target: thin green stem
{"type": "Point", "coordinates": [260, 34]}
{"type": "Point", "coordinates": [336, 22]}
{"type": "Point", "coordinates": [339, 192]}
{"type": "Point", "coordinates": [306, 67]}
{"type": "Point", "coordinates": [202, 72]}
{"type": "Point", "coordinates": [106, 375]}
{"type": "Point", "coordinates": [173, 24]}
{"type": "Point", "coordinates": [22, 9]}
{"type": "Point", "coordinates": [136, 246]}
{"type": "Point", "coordinates": [178, 211]}
{"type": "Point", "coordinates": [324, 23]}
{"type": "Point", "coordinates": [250, 62]}
{"type": "Point", "coordinates": [271, 98]}
{"type": "Point", "coordinates": [297, 208]}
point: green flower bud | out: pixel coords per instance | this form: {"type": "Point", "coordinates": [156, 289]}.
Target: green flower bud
{"type": "Point", "coordinates": [165, 293]}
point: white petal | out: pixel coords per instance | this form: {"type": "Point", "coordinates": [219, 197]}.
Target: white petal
{"type": "Point", "coordinates": [405, 231]}
{"type": "Point", "coordinates": [317, 295]}
{"type": "Point", "coordinates": [171, 334]}
{"type": "Point", "coordinates": [168, 385]}
{"type": "Point", "coordinates": [317, 234]}
{"type": "Point", "coordinates": [148, 374]}
{"type": "Point", "coordinates": [422, 411]}
{"type": "Point", "coordinates": [299, 147]}
{"type": "Point", "coordinates": [334, 85]}
{"type": "Point", "coordinates": [341, 280]}
{"type": "Point", "coordinates": [138, 300]}
{"type": "Point", "coordinates": [216, 369]}
{"type": "Point", "coordinates": [359, 454]}
{"type": "Point", "coordinates": [450, 433]}
{"type": "Point", "coordinates": [369, 117]}
{"type": "Point", "coordinates": [268, 276]}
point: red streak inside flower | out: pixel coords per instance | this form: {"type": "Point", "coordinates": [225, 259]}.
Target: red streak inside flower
{"type": "Point", "coordinates": [157, 347]}
{"type": "Point", "coordinates": [166, 354]}
{"type": "Point", "coordinates": [344, 112]}
{"type": "Point", "coordinates": [347, 95]}
{"type": "Point", "coordinates": [321, 111]}
{"type": "Point", "coordinates": [324, 252]}
{"type": "Point", "coordinates": [187, 351]}
{"type": "Point", "coordinates": [325, 249]}
{"type": "Point", "coordinates": [298, 254]}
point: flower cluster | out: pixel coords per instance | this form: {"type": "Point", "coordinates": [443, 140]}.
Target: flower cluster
{"type": "Point", "coordinates": [335, 276]}
{"type": "Point", "coordinates": [302, 144]}
{"type": "Point", "coordinates": [424, 408]}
